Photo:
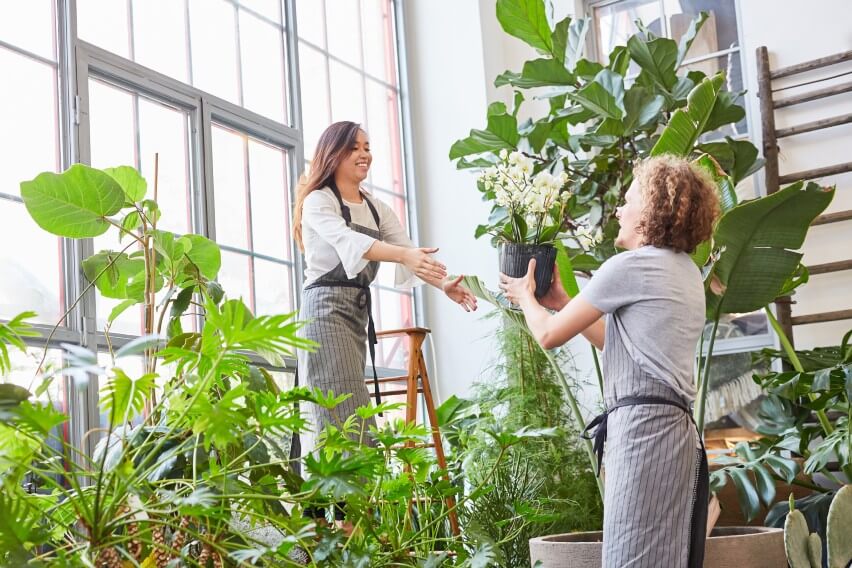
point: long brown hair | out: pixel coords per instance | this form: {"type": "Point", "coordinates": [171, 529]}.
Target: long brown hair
{"type": "Point", "coordinates": [333, 147]}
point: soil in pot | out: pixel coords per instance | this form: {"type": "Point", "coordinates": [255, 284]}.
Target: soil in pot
{"type": "Point", "coordinates": [515, 260]}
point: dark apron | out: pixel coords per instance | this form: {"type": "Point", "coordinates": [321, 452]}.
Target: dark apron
{"type": "Point", "coordinates": [701, 498]}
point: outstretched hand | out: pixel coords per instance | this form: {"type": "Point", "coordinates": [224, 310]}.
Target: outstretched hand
{"type": "Point", "coordinates": [459, 294]}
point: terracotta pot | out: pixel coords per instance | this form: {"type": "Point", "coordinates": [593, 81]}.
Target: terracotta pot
{"type": "Point", "coordinates": [727, 547]}
{"type": "Point", "coordinates": [515, 260]}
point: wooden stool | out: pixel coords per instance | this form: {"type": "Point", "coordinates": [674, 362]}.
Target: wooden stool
{"type": "Point", "coordinates": [417, 382]}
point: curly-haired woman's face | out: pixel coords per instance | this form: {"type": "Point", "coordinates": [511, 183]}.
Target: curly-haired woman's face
{"type": "Point", "coordinates": [629, 215]}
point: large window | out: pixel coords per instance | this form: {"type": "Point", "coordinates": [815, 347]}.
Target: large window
{"type": "Point", "coordinates": [205, 88]}
{"type": "Point", "coordinates": [348, 67]}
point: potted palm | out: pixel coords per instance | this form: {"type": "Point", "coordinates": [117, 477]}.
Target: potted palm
{"type": "Point", "coordinates": [528, 214]}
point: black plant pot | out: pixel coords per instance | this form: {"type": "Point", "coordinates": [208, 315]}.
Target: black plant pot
{"type": "Point", "coordinates": [515, 260]}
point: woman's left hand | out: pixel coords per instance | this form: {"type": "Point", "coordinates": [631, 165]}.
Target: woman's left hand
{"type": "Point", "coordinates": [517, 289]}
{"type": "Point", "coordinates": [459, 294]}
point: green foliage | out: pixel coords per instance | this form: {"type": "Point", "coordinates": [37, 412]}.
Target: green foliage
{"type": "Point", "coordinates": [12, 333]}
{"type": "Point", "coordinates": [758, 241]}
{"type": "Point", "coordinates": [600, 122]}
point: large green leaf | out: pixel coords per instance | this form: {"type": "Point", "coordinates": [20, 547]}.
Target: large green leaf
{"type": "Point", "coordinates": [725, 111]}
{"type": "Point", "coordinates": [686, 125]}
{"type": "Point", "coordinates": [727, 194]}
{"type": "Point", "coordinates": [123, 397]}
{"type": "Point", "coordinates": [527, 21]}
{"type": "Point", "coordinates": [502, 124]}
{"type": "Point", "coordinates": [689, 36]}
{"type": "Point", "coordinates": [657, 58]}
{"type": "Point", "coordinates": [502, 132]}
{"type": "Point", "coordinates": [568, 41]}
{"type": "Point", "coordinates": [75, 203]}
{"type": "Point", "coordinates": [566, 270]}
{"type": "Point", "coordinates": [758, 241]}
{"type": "Point", "coordinates": [642, 107]}
{"type": "Point", "coordinates": [116, 275]}
{"type": "Point", "coordinates": [203, 256]}
{"type": "Point", "coordinates": [131, 182]}
{"type": "Point", "coordinates": [604, 95]}
{"type": "Point", "coordinates": [537, 73]}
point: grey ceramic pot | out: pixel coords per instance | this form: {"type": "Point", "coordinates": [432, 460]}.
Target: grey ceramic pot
{"type": "Point", "coordinates": [727, 547]}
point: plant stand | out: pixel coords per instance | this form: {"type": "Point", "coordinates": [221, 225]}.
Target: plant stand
{"type": "Point", "coordinates": [416, 383]}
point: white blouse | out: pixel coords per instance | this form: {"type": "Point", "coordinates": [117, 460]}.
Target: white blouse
{"type": "Point", "coordinates": [329, 242]}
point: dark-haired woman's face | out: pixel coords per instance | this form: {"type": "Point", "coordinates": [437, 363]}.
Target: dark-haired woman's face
{"type": "Point", "coordinates": [356, 166]}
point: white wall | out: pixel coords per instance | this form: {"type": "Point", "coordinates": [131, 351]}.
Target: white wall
{"type": "Point", "coordinates": [815, 30]}
{"type": "Point", "coordinates": [448, 97]}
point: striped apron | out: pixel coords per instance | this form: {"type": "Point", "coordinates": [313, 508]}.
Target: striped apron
{"type": "Point", "coordinates": [657, 481]}
{"type": "Point", "coordinates": [338, 310]}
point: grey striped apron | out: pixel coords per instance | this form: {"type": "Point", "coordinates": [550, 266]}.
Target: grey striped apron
{"type": "Point", "coordinates": [338, 310]}
{"type": "Point", "coordinates": [656, 477]}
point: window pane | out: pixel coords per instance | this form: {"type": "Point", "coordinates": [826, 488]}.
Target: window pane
{"type": "Point", "coordinates": [104, 23]}
{"type": "Point", "coordinates": [268, 8]}
{"type": "Point", "coordinates": [394, 311]}
{"type": "Point", "coordinates": [309, 14]}
{"type": "Point", "coordinates": [272, 287]}
{"type": "Point", "coordinates": [718, 33]}
{"type": "Point", "coordinates": [159, 36]}
{"type": "Point", "coordinates": [347, 93]}
{"type": "Point", "coordinates": [342, 18]}
{"type": "Point", "coordinates": [377, 29]}
{"type": "Point", "coordinates": [29, 25]}
{"type": "Point", "coordinates": [27, 284]}
{"type": "Point", "coordinates": [28, 118]}
{"type": "Point", "coordinates": [164, 130]}
{"type": "Point", "coordinates": [314, 84]}
{"type": "Point", "coordinates": [214, 48]}
{"type": "Point", "coordinates": [235, 276]}
{"type": "Point", "coordinates": [262, 55]}
{"type": "Point", "coordinates": [23, 374]}
{"type": "Point", "coordinates": [229, 189]}
{"type": "Point", "coordinates": [113, 139]}
{"type": "Point", "coordinates": [614, 23]}
{"type": "Point", "coordinates": [269, 200]}
{"type": "Point", "coordinates": [383, 125]}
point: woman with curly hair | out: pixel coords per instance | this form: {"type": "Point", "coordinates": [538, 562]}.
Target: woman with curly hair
{"type": "Point", "coordinates": [644, 308]}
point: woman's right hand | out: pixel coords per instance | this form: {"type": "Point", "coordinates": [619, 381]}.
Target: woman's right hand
{"type": "Point", "coordinates": [556, 298]}
{"type": "Point", "coordinates": [421, 263]}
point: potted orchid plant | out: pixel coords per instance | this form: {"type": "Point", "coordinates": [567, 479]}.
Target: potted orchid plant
{"type": "Point", "coordinates": [528, 214]}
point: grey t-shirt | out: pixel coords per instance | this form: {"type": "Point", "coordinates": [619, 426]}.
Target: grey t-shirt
{"type": "Point", "coordinates": [654, 301]}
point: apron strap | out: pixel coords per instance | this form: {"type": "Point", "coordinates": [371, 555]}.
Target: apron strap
{"type": "Point", "coordinates": [344, 209]}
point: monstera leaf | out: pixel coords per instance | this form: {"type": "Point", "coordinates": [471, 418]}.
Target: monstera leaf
{"type": "Point", "coordinates": [758, 242]}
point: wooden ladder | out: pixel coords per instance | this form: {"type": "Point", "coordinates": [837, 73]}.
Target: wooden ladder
{"type": "Point", "coordinates": [770, 153]}
{"type": "Point", "coordinates": [416, 383]}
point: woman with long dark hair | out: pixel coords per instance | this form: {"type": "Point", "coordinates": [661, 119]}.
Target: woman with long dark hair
{"type": "Point", "coordinates": [652, 297]}
{"type": "Point", "coordinates": [345, 234]}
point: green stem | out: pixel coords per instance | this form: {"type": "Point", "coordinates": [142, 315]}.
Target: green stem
{"type": "Point", "coordinates": [598, 370]}
{"type": "Point", "coordinates": [578, 416]}
{"type": "Point", "coordinates": [701, 403]}
{"type": "Point", "coordinates": [797, 365]}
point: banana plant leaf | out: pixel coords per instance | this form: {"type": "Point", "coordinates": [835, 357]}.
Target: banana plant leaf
{"type": "Point", "coordinates": [758, 244]}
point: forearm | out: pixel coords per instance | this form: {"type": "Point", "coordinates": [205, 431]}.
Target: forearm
{"type": "Point", "coordinates": [596, 333]}
{"type": "Point", "coordinates": [384, 252]}
{"type": "Point", "coordinates": [538, 319]}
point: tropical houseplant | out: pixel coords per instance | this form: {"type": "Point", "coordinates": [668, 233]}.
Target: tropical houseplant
{"type": "Point", "coordinates": [600, 122]}
{"type": "Point", "coordinates": [191, 465]}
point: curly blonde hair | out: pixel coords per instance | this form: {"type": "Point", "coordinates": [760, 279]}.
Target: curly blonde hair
{"type": "Point", "coordinates": [681, 203]}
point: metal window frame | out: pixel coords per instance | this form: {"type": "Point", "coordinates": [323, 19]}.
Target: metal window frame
{"type": "Point", "coordinates": [77, 61]}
